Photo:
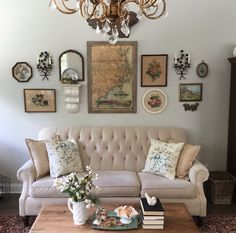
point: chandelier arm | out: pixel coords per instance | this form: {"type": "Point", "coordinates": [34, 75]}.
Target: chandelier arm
{"type": "Point", "coordinates": [72, 10]}
{"type": "Point", "coordinates": [151, 16]}
{"type": "Point", "coordinates": [66, 11]}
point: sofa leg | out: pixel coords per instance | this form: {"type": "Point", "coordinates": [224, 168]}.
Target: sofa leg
{"type": "Point", "coordinates": [198, 220]}
{"type": "Point", "coordinates": [26, 221]}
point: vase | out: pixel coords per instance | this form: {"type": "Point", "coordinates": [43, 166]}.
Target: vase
{"type": "Point", "coordinates": [79, 211]}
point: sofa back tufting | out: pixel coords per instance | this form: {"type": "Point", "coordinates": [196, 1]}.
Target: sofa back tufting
{"type": "Point", "coordinates": [114, 148]}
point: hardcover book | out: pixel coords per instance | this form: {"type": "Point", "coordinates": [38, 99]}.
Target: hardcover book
{"type": "Point", "coordinates": [147, 209]}
{"type": "Point", "coordinates": [153, 226]}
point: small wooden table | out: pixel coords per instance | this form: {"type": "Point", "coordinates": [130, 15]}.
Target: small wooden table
{"type": "Point", "coordinates": [58, 219]}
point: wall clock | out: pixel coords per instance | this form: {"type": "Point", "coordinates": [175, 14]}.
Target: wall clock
{"type": "Point", "coordinates": [202, 69]}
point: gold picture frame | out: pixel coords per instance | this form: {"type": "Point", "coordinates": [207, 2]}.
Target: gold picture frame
{"type": "Point", "coordinates": [40, 100]}
{"type": "Point", "coordinates": [112, 84]}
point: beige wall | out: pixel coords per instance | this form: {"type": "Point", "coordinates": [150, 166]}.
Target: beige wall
{"type": "Point", "coordinates": [204, 28]}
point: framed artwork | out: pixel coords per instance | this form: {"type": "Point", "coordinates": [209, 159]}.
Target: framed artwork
{"type": "Point", "coordinates": [40, 100]}
{"type": "Point", "coordinates": [202, 70]}
{"type": "Point", "coordinates": [154, 70]}
{"type": "Point", "coordinates": [190, 92]}
{"type": "Point", "coordinates": [22, 71]}
{"type": "Point", "coordinates": [112, 77]}
{"type": "Point", "coordinates": [154, 100]}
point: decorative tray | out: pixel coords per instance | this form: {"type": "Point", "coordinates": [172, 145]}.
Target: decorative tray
{"type": "Point", "coordinates": [112, 223]}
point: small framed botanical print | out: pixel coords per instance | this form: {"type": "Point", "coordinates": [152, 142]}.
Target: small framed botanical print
{"type": "Point", "coordinates": [22, 71]}
{"type": "Point", "coordinates": [190, 92]}
{"type": "Point", "coordinates": [40, 100]}
{"type": "Point", "coordinates": [154, 100]}
{"type": "Point", "coordinates": [154, 70]}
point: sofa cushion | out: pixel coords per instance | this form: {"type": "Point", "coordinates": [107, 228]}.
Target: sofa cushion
{"type": "Point", "coordinates": [44, 188]}
{"type": "Point", "coordinates": [64, 158]}
{"type": "Point", "coordinates": [162, 187]}
{"type": "Point", "coordinates": [117, 184]}
{"type": "Point", "coordinates": [110, 184]}
{"type": "Point", "coordinates": [162, 158]}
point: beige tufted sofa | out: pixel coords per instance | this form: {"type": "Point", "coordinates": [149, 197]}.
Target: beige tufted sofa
{"type": "Point", "coordinates": [118, 155]}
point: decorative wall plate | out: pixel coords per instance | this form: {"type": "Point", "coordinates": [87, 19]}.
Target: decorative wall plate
{"type": "Point", "coordinates": [154, 100]}
{"type": "Point", "coordinates": [202, 69]}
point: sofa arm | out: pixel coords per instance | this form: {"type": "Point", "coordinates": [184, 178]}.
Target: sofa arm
{"type": "Point", "coordinates": [198, 173]}
{"type": "Point", "coordinates": [27, 172]}
{"type": "Point", "coordinates": [27, 175]}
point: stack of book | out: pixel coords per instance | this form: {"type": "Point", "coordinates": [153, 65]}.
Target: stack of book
{"type": "Point", "coordinates": [152, 216]}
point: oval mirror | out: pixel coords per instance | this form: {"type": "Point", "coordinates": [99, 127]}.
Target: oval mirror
{"type": "Point", "coordinates": [71, 66]}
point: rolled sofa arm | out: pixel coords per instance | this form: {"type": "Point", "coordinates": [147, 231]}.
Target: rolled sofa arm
{"type": "Point", "coordinates": [27, 175]}
{"type": "Point", "coordinates": [198, 173]}
{"type": "Point", "coordinates": [26, 172]}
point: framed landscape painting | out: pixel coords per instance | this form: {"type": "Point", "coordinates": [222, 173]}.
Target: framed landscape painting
{"type": "Point", "coordinates": [40, 100]}
{"type": "Point", "coordinates": [190, 92]}
{"type": "Point", "coordinates": [154, 70]}
{"type": "Point", "coordinates": [112, 77]}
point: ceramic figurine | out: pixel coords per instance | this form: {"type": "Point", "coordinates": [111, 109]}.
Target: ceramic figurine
{"type": "Point", "coordinates": [150, 200]}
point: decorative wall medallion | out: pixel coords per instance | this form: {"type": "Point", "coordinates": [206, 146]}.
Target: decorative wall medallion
{"type": "Point", "coordinates": [154, 100]}
{"type": "Point", "coordinates": [190, 107]}
{"type": "Point", "coordinates": [22, 71]}
{"type": "Point", "coordinates": [202, 69]}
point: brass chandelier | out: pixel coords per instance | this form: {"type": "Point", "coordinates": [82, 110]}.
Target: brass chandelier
{"type": "Point", "coordinates": [112, 17]}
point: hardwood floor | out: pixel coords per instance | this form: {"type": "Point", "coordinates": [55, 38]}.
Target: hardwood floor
{"type": "Point", "coordinates": [9, 207]}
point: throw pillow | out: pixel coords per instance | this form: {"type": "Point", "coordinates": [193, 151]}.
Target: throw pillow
{"type": "Point", "coordinates": [63, 157]}
{"type": "Point", "coordinates": [162, 158]}
{"type": "Point", "coordinates": [39, 156]}
{"type": "Point", "coordinates": [186, 158]}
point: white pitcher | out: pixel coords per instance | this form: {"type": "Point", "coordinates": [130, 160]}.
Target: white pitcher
{"type": "Point", "coordinates": [79, 211]}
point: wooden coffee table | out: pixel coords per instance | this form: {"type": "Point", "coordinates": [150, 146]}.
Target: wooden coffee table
{"type": "Point", "coordinates": [58, 219]}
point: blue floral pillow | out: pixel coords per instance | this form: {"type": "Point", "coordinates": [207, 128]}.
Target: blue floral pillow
{"type": "Point", "coordinates": [162, 158]}
{"type": "Point", "coordinates": [63, 158]}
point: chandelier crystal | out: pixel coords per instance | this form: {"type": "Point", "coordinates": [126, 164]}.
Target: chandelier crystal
{"type": "Point", "coordinates": [112, 17]}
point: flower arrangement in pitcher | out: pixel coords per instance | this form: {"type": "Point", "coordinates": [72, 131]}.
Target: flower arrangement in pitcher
{"type": "Point", "coordinates": [79, 187]}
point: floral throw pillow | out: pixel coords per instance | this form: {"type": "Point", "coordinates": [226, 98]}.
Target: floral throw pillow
{"type": "Point", "coordinates": [63, 158]}
{"type": "Point", "coordinates": [162, 158]}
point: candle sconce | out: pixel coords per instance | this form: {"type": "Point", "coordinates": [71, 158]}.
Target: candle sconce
{"type": "Point", "coordinates": [182, 63]}
{"type": "Point", "coordinates": [44, 64]}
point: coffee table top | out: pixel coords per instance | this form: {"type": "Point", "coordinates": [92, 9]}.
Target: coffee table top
{"type": "Point", "coordinates": [58, 219]}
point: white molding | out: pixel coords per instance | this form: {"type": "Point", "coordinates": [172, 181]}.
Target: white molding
{"type": "Point", "coordinates": [16, 187]}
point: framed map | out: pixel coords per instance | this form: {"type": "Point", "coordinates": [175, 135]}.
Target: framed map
{"type": "Point", "coordinates": [112, 77]}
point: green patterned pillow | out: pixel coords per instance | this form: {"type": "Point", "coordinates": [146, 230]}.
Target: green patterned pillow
{"type": "Point", "coordinates": [162, 158]}
{"type": "Point", "coordinates": [63, 158]}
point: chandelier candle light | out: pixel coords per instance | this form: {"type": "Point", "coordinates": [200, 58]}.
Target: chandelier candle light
{"type": "Point", "coordinates": [112, 17]}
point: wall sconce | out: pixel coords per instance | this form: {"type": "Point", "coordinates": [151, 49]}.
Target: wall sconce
{"type": "Point", "coordinates": [182, 63]}
{"type": "Point", "coordinates": [72, 98]}
{"type": "Point", "coordinates": [44, 64]}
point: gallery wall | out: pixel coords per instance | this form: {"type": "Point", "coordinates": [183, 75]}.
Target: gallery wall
{"type": "Point", "coordinates": [202, 28]}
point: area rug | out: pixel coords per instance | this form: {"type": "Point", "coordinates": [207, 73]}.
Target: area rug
{"type": "Point", "coordinates": [219, 224]}
{"type": "Point", "coordinates": [211, 224]}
